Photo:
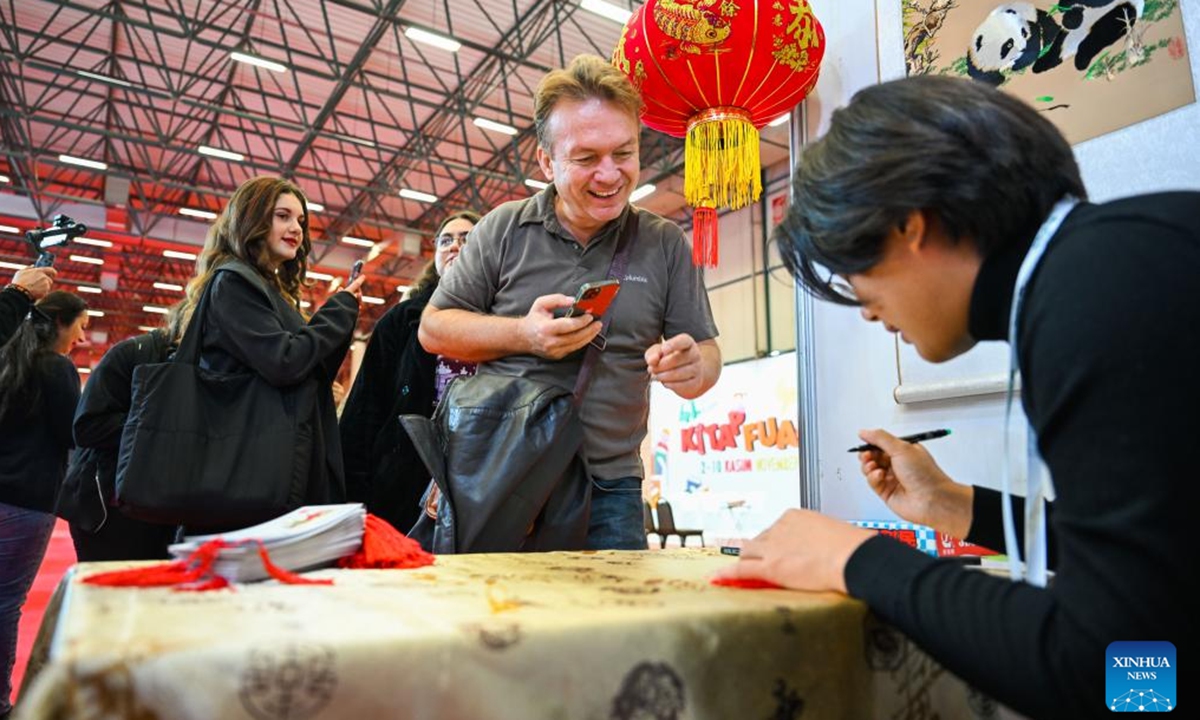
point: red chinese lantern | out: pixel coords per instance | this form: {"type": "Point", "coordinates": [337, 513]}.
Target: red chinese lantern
{"type": "Point", "coordinates": [714, 72]}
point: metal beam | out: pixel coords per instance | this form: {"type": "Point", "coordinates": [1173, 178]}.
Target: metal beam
{"type": "Point", "coordinates": [481, 80]}
{"type": "Point", "coordinates": [352, 69]}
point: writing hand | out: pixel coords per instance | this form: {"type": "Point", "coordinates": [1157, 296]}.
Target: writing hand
{"type": "Point", "coordinates": [905, 476]}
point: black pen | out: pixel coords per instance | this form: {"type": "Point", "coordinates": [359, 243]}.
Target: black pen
{"type": "Point", "coordinates": [919, 437]}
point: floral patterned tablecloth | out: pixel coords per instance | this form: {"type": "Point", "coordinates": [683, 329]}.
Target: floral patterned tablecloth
{"type": "Point", "coordinates": [553, 636]}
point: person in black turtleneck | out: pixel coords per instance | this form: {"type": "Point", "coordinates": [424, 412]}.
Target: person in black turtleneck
{"type": "Point", "coordinates": [398, 377]}
{"type": "Point", "coordinates": [923, 201]}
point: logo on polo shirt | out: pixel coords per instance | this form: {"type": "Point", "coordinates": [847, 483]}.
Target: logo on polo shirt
{"type": "Point", "coordinates": [636, 278]}
{"type": "Point", "coordinates": [1140, 676]}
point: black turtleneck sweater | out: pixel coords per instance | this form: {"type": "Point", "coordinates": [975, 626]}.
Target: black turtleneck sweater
{"type": "Point", "coordinates": [1109, 349]}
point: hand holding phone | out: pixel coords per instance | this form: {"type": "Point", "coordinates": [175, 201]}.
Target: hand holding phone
{"type": "Point", "coordinates": [592, 299]}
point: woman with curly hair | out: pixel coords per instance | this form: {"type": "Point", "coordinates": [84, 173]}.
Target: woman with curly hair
{"type": "Point", "coordinates": [253, 266]}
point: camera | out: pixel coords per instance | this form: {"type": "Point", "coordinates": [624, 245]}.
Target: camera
{"type": "Point", "coordinates": [60, 232]}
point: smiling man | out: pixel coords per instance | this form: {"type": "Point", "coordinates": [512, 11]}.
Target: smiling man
{"type": "Point", "coordinates": [939, 201]}
{"type": "Point", "coordinates": [528, 258]}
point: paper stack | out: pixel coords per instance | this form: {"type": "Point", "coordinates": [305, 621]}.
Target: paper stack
{"type": "Point", "coordinates": [305, 538]}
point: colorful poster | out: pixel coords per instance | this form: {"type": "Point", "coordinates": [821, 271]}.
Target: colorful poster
{"type": "Point", "coordinates": [728, 461]}
{"type": "Point", "coordinates": [1093, 66]}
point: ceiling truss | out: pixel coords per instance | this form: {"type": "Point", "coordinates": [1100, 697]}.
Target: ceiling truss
{"type": "Point", "coordinates": [357, 112]}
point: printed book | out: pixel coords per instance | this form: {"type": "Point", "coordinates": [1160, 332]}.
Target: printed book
{"type": "Point", "coordinates": [306, 538]}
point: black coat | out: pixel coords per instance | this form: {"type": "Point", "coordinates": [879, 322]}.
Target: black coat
{"type": "Point", "coordinates": [249, 325]}
{"type": "Point", "coordinates": [396, 378]}
{"type": "Point", "coordinates": [35, 441]}
{"type": "Point", "coordinates": [90, 486]}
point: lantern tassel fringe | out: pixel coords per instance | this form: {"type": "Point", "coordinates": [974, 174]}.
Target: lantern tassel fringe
{"type": "Point", "coordinates": [704, 237]}
{"type": "Point", "coordinates": [721, 163]}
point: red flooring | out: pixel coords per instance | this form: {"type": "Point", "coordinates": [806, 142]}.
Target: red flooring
{"type": "Point", "coordinates": [60, 555]}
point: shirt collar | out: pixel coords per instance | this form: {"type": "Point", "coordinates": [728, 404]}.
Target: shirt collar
{"type": "Point", "coordinates": [540, 209]}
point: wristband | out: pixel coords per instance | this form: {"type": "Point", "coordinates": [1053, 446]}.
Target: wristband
{"type": "Point", "coordinates": [21, 289]}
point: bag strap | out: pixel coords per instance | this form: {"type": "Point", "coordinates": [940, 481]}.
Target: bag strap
{"type": "Point", "coordinates": [189, 345]}
{"type": "Point", "coordinates": [616, 270]}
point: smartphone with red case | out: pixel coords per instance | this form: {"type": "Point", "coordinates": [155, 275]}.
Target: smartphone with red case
{"type": "Point", "coordinates": [592, 299]}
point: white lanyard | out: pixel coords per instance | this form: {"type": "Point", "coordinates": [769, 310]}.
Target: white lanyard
{"type": "Point", "coordinates": [1037, 475]}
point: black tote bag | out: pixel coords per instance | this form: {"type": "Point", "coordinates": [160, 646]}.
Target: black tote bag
{"type": "Point", "coordinates": [203, 448]}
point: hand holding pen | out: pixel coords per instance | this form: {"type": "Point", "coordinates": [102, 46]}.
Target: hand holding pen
{"type": "Point", "coordinates": [904, 475]}
{"type": "Point", "coordinates": [915, 438]}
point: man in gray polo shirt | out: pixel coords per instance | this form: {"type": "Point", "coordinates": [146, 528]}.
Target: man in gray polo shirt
{"type": "Point", "coordinates": [527, 258]}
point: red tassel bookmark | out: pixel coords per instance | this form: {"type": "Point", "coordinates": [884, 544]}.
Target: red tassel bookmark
{"type": "Point", "coordinates": [287, 577]}
{"type": "Point", "coordinates": [195, 572]}
{"type": "Point", "coordinates": [195, 568]}
{"type": "Point", "coordinates": [382, 547]}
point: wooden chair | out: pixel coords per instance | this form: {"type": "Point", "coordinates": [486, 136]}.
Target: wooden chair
{"type": "Point", "coordinates": [666, 526]}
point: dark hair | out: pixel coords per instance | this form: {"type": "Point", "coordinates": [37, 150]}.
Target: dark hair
{"type": "Point", "coordinates": [987, 166]}
{"type": "Point", "coordinates": [28, 348]}
{"type": "Point", "coordinates": [586, 77]}
{"type": "Point", "coordinates": [468, 215]}
{"type": "Point", "coordinates": [241, 232]}
{"type": "Point", "coordinates": [429, 277]}
{"type": "Point", "coordinates": [425, 282]}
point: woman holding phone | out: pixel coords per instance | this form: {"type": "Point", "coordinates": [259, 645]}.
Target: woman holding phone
{"type": "Point", "coordinates": [398, 377]}
{"type": "Point", "coordinates": [253, 265]}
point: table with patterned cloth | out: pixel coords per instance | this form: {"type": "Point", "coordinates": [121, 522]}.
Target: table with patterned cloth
{"type": "Point", "coordinates": [554, 636]}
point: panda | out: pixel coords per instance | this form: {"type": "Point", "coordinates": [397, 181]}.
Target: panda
{"type": "Point", "coordinates": [1017, 35]}
{"type": "Point", "coordinates": [1089, 26]}
{"type": "Point", "coordinates": [1010, 38]}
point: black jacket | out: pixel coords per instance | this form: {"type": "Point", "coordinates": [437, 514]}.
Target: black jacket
{"type": "Point", "coordinates": [90, 485]}
{"type": "Point", "coordinates": [14, 306]}
{"type": "Point", "coordinates": [34, 446]}
{"type": "Point", "coordinates": [250, 325]}
{"type": "Point", "coordinates": [396, 378]}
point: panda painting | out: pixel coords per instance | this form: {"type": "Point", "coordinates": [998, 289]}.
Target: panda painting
{"type": "Point", "coordinates": [1015, 36]}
